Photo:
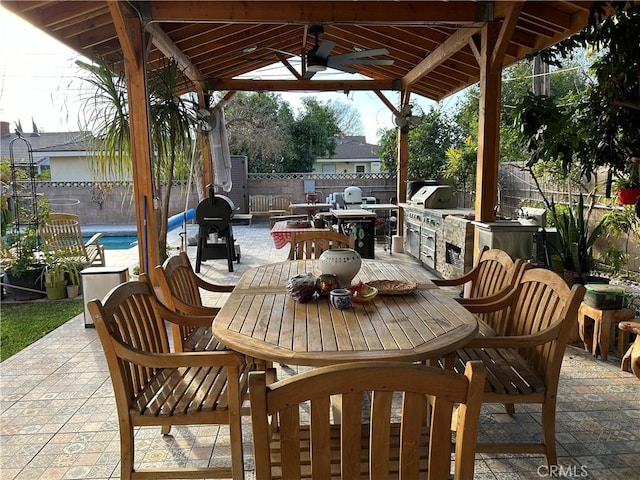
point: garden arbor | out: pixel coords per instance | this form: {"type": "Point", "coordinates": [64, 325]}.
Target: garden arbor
{"type": "Point", "coordinates": [431, 48]}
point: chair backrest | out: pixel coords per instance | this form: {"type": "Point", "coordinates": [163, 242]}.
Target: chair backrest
{"type": "Point", "coordinates": [259, 204]}
{"type": "Point", "coordinates": [544, 302]}
{"type": "Point", "coordinates": [180, 291]}
{"type": "Point", "coordinates": [311, 244]}
{"type": "Point", "coordinates": [369, 441]}
{"type": "Point", "coordinates": [496, 270]}
{"type": "Point", "coordinates": [177, 280]}
{"type": "Point", "coordinates": [61, 233]}
{"type": "Point", "coordinates": [127, 321]}
{"type": "Point", "coordinates": [280, 202]}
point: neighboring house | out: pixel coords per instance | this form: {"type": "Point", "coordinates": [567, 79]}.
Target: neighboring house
{"type": "Point", "coordinates": [353, 155]}
{"type": "Point", "coordinates": [63, 153]}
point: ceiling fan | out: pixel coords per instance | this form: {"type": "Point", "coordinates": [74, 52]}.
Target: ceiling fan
{"type": "Point", "coordinates": [410, 114]}
{"type": "Point", "coordinates": [318, 59]}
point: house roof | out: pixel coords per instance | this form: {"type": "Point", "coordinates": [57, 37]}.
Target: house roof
{"type": "Point", "coordinates": [433, 45]}
{"type": "Point", "coordinates": [42, 143]}
{"type": "Point", "coordinates": [354, 147]}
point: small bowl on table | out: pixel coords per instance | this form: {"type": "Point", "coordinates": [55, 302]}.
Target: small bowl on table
{"type": "Point", "coordinates": [364, 293]}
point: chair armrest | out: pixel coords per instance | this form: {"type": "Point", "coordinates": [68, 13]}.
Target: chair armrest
{"type": "Point", "coordinates": [94, 239]}
{"type": "Point", "coordinates": [194, 310]}
{"type": "Point", "coordinates": [495, 305]}
{"type": "Point", "coordinates": [488, 299]}
{"type": "Point", "coordinates": [227, 358]}
{"type": "Point", "coordinates": [517, 341]}
{"type": "Point", "coordinates": [184, 319]}
{"type": "Point", "coordinates": [213, 287]}
{"type": "Point", "coordinates": [461, 280]}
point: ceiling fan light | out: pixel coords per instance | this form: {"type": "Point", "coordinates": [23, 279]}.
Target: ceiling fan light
{"type": "Point", "coordinates": [316, 68]}
{"type": "Point", "coordinates": [316, 64]}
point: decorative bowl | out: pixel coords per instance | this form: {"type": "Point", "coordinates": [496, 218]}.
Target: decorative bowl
{"type": "Point", "coordinates": [364, 294]}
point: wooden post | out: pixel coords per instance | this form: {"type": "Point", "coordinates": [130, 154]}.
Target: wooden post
{"type": "Point", "coordinates": [402, 166]}
{"type": "Point", "coordinates": [131, 37]}
{"type": "Point", "coordinates": [488, 132]}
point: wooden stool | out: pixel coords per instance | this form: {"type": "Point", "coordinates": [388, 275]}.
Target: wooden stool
{"type": "Point", "coordinates": [632, 357]}
{"type": "Point", "coordinates": [602, 321]}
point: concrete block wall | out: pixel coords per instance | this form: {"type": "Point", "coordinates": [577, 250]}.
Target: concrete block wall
{"type": "Point", "coordinates": [112, 203]}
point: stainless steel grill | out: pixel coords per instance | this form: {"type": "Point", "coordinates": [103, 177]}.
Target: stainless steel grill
{"type": "Point", "coordinates": [435, 196]}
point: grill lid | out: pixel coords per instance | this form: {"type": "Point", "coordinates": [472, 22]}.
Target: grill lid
{"type": "Point", "coordinates": [215, 209]}
{"type": "Point", "coordinates": [435, 196]}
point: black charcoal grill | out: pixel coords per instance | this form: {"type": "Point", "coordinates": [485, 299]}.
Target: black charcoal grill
{"type": "Point", "coordinates": [214, 215]}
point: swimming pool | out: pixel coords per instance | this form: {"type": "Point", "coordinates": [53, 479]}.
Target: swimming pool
{"type": "Point", "coordinates": [123, 242]}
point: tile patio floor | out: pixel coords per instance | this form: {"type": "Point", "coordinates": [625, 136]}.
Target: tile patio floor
{"type": "Point", "coordinates": [59, 422]}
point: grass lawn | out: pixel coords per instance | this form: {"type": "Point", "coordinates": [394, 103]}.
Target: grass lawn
{"type": "Point", "coordinates": [23, 323]}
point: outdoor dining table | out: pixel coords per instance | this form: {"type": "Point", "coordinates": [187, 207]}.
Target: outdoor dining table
{"type": "Point", "coordinates": [281, 233]}
{"type": "Point", "coordinates": [261, 320]}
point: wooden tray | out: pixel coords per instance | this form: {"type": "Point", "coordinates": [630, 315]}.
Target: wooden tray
{"type": "Point", "coordinates": [298, 224]}
{"type": "Point", "coordinates": [393, 287]}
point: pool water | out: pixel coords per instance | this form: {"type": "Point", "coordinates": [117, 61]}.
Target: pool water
{"type": "Point", "coordinates": [117, 242]}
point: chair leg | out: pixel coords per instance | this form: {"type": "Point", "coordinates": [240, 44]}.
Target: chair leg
{"type": "Point", "coordinates": [127, 452]}
{"type": "Point", "coordinates": [165, 429]}
{"type": "Point", "coordinates": [548, 421]}
{"type": "Point", "coordinates": [510, 408]}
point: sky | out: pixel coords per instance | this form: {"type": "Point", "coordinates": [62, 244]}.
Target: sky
{"type": "Point", "coordinates": [39, 83]}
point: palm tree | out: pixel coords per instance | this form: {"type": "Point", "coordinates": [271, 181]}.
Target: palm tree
{"type": "Point", "coordinates": [172, 121]}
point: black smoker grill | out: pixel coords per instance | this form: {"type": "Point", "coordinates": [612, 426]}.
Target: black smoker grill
{"type": "Point", "coordinates": [213, 215]}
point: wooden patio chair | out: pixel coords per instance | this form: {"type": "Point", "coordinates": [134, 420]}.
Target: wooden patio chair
{"type": "Point", "coordinates": [523, 364]}
{"type": "Point", "coordinates": [495, 274]}
{"type": "Point", "coordinates": [259, 205]}
{"type": "Point", "coordinates": [279, 204]}
{"type": "Point", "coordinates": [61, 233]}
{"type": "Point", "coordinates": [311, 244]}
{"type": "Point", "coordinates": [370, 443]}
{"type": "Point", "coordinates": [180, 290]}
{"type": "Point", "coordinates": [631, 359]}
{"type": "Point", "coordinates": [155, 386]}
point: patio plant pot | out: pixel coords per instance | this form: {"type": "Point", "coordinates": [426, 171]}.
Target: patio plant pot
{"type": "Point", "coordinates": [56, 291]}
{"type": "Point", "coordinates": [628, 196]}
{"type": "Point", "coordinates": [73, 291]}
{"type": "Point", "coordinates": [29, 279]}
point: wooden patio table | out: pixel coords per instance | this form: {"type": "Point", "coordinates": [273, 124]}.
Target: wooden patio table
{"type": "Point", "coordinates": [261, 320]}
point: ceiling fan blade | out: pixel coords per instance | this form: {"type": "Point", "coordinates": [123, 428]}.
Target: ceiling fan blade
{"type": "Point", "coordinates": [341, 67]}
{"type": "Point", "coordinates": [367, 61]}
{"type": "Point", "coordinates": [362, 54]}
{"type": "Point", "coordinates": [325, 48]}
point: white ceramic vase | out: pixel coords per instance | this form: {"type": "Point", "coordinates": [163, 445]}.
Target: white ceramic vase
{"type": "Point", "coordinates": [342, 262]}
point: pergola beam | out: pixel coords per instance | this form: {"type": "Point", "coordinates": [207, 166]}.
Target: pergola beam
{"type": "Point", "coordinates": [162, 41]}
{"type": "Point", "coordinates": [250, 85]}
{"type": "Point", "coordinates": [441, 54]}
{"type": "Point", "coordinates": [381, 12]}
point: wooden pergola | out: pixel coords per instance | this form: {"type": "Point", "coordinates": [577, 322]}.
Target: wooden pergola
{"type": "Point", "coordinates": [437, 47]}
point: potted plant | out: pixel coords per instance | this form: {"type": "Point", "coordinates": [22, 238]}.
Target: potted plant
{"type": "Point", "coordinates": [53, 279]}
{"type": "Point", "coordinates": [629, 185]}
{"type": "Point", "coordinates": [576, 238]}
{"type": "Point", "coordinates": [23, 265]}
{"type": "Point", "coordinates": [72, 268]}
